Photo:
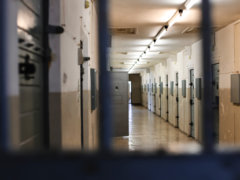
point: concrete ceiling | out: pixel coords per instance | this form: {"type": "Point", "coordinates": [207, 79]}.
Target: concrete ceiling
{"type": "Point", "coordinates": [147, 17]}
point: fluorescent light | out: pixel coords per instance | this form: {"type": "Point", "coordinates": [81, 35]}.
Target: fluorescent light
{"type": "Point", "coordinates": [190, 3]}
{"type": "Point", "coordinates": [161, 33]}
{"type": "Point", "coordinates": [175, 18]}
{"type": "Point", "coordinates": [128, 63]}
{"type": "Point", "coordinates": [151, 45]}
{"type": "Point", "coordinates": [144, 55]}
{"type": "Point", "coordinates": [131, 68]}
{"type": "Point", "coordinates": [148, 49]}
{"type": "Point", "coordinates": [142, 63]}
{"type": "Point", "coordinates": [171, 22]}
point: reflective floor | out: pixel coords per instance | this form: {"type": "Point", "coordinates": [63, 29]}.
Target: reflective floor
{"type": "Point", "coordinates": [148, 132]}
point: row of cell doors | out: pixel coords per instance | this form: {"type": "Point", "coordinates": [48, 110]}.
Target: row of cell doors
{"type": "Point", "coordinates": [164, 105]}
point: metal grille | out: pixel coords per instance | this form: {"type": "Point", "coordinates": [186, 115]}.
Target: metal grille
{"type": "Point", "coordinates": [104, 164]}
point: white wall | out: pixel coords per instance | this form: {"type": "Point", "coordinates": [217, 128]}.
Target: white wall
{"type": "Point", "coordinates": [227, 53]}
{"type": "Point", "coordinates": [79, 23]}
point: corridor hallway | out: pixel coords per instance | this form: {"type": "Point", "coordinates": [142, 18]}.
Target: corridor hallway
{"type": "Point", "coordinates": [148, 132]}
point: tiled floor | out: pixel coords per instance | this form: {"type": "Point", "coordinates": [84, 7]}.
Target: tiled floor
{"type": "Point", "coordinates": [148, 132]}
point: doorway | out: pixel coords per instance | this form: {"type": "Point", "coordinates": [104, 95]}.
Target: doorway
{"type": "Point", "coordinates": [215, 100]}
{"type": "Point", "coordinates": [191, 84]}
{"type": "Point", "coordinates": [160, 98]}
{"type": "Point", "coordinates": [167, 98]}
{"type": "Point", "coordinates": [149, 96]}
{"type": "Point", "coordinates": [153, 108]}
{"type": "Point", "coordinates": [33, 79]}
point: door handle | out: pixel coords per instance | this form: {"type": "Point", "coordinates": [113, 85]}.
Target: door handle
{"type": "Point", "coordinates": [27, 69]}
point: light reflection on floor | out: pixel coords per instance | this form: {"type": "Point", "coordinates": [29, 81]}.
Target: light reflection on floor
{"type": "Point", "coordinates": [148, 132]}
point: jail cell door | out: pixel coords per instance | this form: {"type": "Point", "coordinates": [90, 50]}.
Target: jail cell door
{"type": "Point", "coordinates": [153, 107]}
{"type": "Point", "coordinates": [120, 103]}
{"type": "Point", "coordinates": [149, 96]}
{"type": "Point", "coordinates": [191, 84]}
{"type": "Point", "coordinates": [177, 100]}
{"type": "Point", "coordinates": [167, 109]}
{"type": "Point", "coordinates": [146, 95]}
{"type": "Point", "coordinates": [31, 83]}
{"type": "Point", "coordinates": [155, 97]}
{"type": "Point", "coordinates": [160, 98]}
{"type": "Point", "coordinates": [215, 101]}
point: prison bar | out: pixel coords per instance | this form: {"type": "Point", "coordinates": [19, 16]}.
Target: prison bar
{"type": "Point", "coordinates": [4, 140]}
{"type": "Point", "coordinates": [109, 166]}
{"type": "Point", "coordinates": [104, 79]}
{"type": "Point", "coordinates": [46, 59]}
{"type": "Point", "coordinates": [207, 120]}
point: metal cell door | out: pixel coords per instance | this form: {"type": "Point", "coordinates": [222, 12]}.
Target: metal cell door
{"type": "Point", "coordinates": [149, 95]}
{"type": "Point", "coordinates": [167, 112]}
{"type": "Point", "coordinates": [191, 84]}
{"type": "Point", "coordinates": [154, 96]}
{"type": "Point", "coordinates": [177, 100]}
{"type": "Point", "coordinates": [215, 101]}
{"type": "Point", "coordinates": [160, 98]}
{"type": "Point", "coordinates": [31, 84]}
{"type": "Point", "coordinates": [120, 103]}
{"type": "Point", "coordinates": [146, 95]}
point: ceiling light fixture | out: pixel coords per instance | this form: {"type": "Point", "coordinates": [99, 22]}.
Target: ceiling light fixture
{"type": "Point", "coordinates": [190, 3]}
{"type": "Point", "coordinates": [142, 63]}
{"type": "Point", "coordinates": [148, 49]}
{"type": "Point", "coordinates": [161, 33]}
{"type": "Point", "coordinates": [130, 70]}
{"type": "Point", "coordinates": [151, 46]}
{"type": "Point", "coordinates": [128, 63]}
{"type": "Point", "coordinates": [144, 54]}
{"type": "Point", "coordinates": [175, 18]}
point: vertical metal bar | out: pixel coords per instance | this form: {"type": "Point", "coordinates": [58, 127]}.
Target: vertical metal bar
{"type": "Point", "coordinates": [3, 77]}
{"type": "Point", "coordinates": [207, 78]}
{"type": "Point", "coordinates": [104, 78]}
{"type": "Point", "coordinates": [45, 14]}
